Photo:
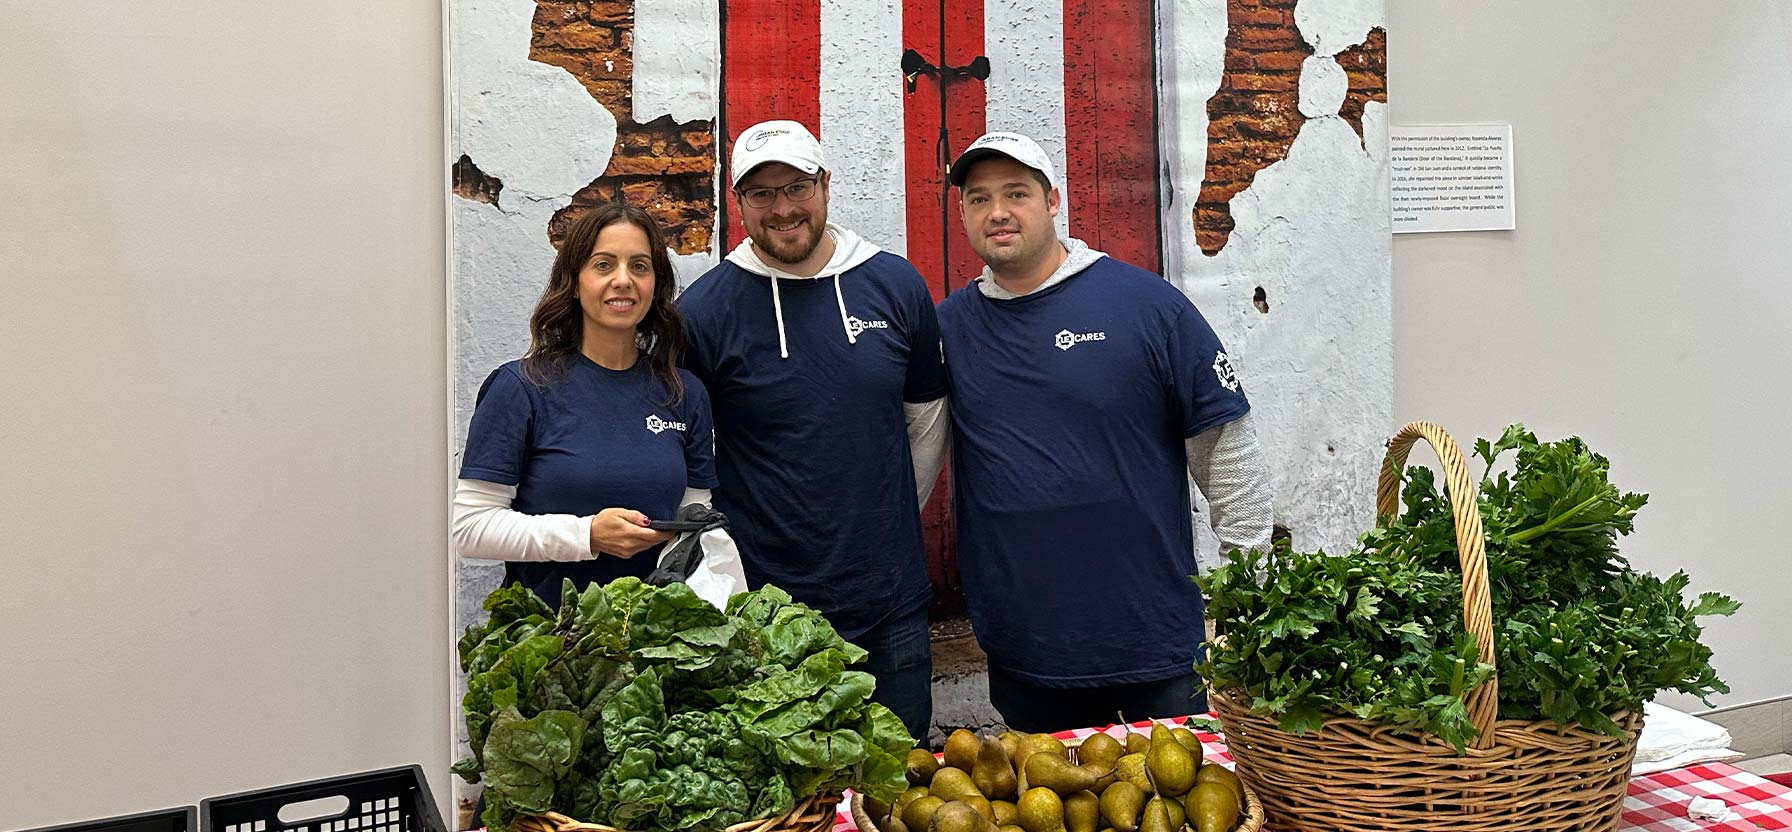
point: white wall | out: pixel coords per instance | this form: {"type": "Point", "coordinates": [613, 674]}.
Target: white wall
{"type": "Point", "coordinates": [223, 507]}
{"type": "Point", "coordinates": [1642, 301]}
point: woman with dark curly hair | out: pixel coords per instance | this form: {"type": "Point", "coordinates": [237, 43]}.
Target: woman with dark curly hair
{"type": "Point", "coordinates": [575, 447]}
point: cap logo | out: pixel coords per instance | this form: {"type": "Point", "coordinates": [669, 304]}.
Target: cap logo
{"type": "Point", "coordinates": [758, 140]}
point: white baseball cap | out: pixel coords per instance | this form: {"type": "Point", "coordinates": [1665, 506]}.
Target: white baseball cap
{"type": "Point", "coordinates": [1013, 145]}
{"type": "Point", "coordinates": [775, 141]}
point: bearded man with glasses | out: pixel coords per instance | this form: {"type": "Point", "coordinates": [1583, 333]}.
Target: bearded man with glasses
{"type": "Point", "coordinates": [821, 354]}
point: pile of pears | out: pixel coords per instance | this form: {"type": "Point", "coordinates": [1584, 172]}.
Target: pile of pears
{"type": "Point", "coordinates": [1034, 783]}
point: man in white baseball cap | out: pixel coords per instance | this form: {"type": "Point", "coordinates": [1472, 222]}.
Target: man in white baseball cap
{"type": "Point", "coordinates": [1085, 394]}
{"type": "Point", "coordinates": [821, 356]}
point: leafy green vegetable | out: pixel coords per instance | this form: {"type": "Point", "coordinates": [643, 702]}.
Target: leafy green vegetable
{"type": "Point", "coordinates": [649, 709]}
{"type": "Point", "coordinates": [1579, 634]}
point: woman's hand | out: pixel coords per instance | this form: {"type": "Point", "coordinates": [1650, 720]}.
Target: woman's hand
{"type": "Point", "coordinates": [623, 532]}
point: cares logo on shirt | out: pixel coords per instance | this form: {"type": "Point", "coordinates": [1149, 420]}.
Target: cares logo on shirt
{"type": "Point", "coordinates": [858, 327]}
{"type": "Point", "coordinates": [1065, 339]}
{"type": "Point", "coordinates": [656, 425]}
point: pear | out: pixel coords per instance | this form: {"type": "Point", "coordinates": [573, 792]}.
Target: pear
{"type": "Point", "coordinates": [921, 766]}
{"type": "Point", "coordinates": [1058, 774]}
{"type": "Point", "coordinates": [918, 814]}
{"type": "Point", "coordinates": [1137, 743]}
{"type": "Point", "coordinates": [893, 824]}
{"type": "Point", "coordinates": [1010, 827]}
{"type": "Point", "coordinates": [983, 806]}
{"type": "Point", "coordinates": [1041, 810]}
{"type": "Point", "coordinates": [1098, 749]}
{"type": "Point", "coordinates": [951, 783]}
{"type": "Point", "coordinates": [1082, 812]}
{"type": "Point", "coordinates": [1131, 768]}
{"type": "Point", "coordinates": [1222, 776]}
{"type": "Point", "coordinates": [1175, 808]}
{"type": "Point", "coordinates": [1005, 812]}
{"type": "Point", "coordinates": [877, 810]}
{"type": "Point", "coordinates": [1010, 743]}
{"type": "Point", "coordinates": [1156, 817]}
{"type": "Point", "coordinates": [1189, 741]}
{"type": "Point", "coordinates": [958, 816]}
{"type": "Point", "coordinates": [1212, 807]}
{"type": "Point", "coordinates": [992, 772]}
{"type": "Point", "coordinates": [1029, 745]}
{"type": "Point", "coordinates": [1104, 775]}
{"type": "Point", "coordinates": [961, 749]}
{"type": "Point", "coordinates": [1121, 805]}
{"type": "Point", "coordinates": [1172, 768]}
{"type": "Point", "coordinates": [913, 794]}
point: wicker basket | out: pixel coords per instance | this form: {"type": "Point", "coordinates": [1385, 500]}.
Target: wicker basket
{"type": "Point", "coordinates": [813, 815]}
{"type": "Point", "coordinates": [1250, 816]}
{"type": "Point", "coordinates": [1353, 775]}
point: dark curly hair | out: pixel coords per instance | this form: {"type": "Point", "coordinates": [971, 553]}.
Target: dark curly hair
{"type": "Point", "coordinates": [557, 327]}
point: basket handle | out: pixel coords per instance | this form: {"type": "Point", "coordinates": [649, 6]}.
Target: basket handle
{"type": "Point", "coordinates": [1471, 551]}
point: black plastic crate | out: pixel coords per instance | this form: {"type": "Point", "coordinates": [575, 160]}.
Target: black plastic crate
{"type": "Point", "coordinates": [389, 800]}
{"type": "Point", "coordinates": [184, 819]}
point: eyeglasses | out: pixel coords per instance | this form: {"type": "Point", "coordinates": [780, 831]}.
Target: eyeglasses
{"type": "Point", "coordinates": [799, 191]}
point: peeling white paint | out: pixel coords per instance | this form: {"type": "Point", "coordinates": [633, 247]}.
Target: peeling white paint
{"type": "Point", "coordinates": [1312, 230]}
{"type": "Point", "coordinates": [531, 125]}
{"type": "Point", "coordinates": [1323, 86]}
{"type": "Point", "coordinates": [678, 59]}
{"type": "Point", "coordinates": [1024, 40]}
{"type": "Point", "coordinates": [861, 118]}
{"type": "Point", "coordinates": [1332, 26]}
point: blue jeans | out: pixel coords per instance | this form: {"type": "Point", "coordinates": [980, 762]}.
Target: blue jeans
{"type": "Point", "coordinates": [902, 660]}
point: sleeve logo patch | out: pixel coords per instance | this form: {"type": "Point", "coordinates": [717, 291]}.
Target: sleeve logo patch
{"type": "Point", "coordinates": [656, 425]}
{"type": "Point", "coordinates": [1065, 339]}
{"type": "Point", "coordinates": [1222, 369]}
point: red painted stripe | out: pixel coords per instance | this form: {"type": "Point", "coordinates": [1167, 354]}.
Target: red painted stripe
{"type": "Point", "coordinates": [922, 157]}
{"type": "Point", "coordinates": [948, 33]}
{"type": "Point", "coordinates": [771, 69]}
{"type": "Point", "coordinates": [1110, 128]}
{"type": "Point", "coordinates": [966, 101]}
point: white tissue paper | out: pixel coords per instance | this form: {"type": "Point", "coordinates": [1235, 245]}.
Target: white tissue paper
{"type": "Point", "coordinates": [1673, 740]}
{"type": "Point", "coordinates": [1710, 809]}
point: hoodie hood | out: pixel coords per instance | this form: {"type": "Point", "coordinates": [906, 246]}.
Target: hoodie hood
{"type": "Point", "coordinates": [1081, 257]}
{"type": "Point", "coordinates": [850, 251]}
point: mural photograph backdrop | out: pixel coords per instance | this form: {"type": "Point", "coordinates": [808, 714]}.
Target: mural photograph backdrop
{"type": "Point", "coordinates": [1238, 147]}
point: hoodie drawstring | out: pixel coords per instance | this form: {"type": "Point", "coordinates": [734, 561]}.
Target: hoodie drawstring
{"type": "Point", "coordinates": [778, 312]}
{"type": "Point", "coordinates": [841, 299]}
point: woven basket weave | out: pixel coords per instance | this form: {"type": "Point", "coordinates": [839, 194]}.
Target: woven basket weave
{"type": "Point", "coordinates": [813, 815]}
{"type": "Point", "coordinates": [1250, 815]}
{"type": "Point", "coordinates": [1354, 775]}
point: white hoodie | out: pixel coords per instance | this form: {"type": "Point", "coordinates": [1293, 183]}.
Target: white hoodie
{"type": "Point", "coordinates": [850, 250]}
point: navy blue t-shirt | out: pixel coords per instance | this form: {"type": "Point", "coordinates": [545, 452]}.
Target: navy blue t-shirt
{"type": "Point", "coordinates": [594, 439]}
{"type": "Point", "coordinates": [1070, 410]}
{"type": "Point", "coordinates": [811, 450]}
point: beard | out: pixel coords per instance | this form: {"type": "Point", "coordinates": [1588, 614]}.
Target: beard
{"type": "Point", "coordinates": [789, 252]}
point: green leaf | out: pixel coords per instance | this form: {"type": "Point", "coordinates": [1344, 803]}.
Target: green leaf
{"type": "Point", "coordinates": [1712, 603]}
{"type": "Point", "coordinates": [524, 757]}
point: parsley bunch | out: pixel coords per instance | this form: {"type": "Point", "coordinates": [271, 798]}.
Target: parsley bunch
{"type": "Point", "coordinates": [1579, 634]}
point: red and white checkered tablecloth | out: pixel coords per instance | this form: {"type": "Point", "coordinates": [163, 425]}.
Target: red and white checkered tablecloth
{"type": "Point", "coordinates": [1656, 802]}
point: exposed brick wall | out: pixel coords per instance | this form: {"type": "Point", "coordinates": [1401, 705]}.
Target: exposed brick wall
{"type": "Point", "coordinates": [472, 183]}
{"type": "Point", "coordinates": [1255, 115]}
{"type": "Point", "coordinates": [1367, 66]}
{"type": "Point", "coordinates": [665, 167]}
